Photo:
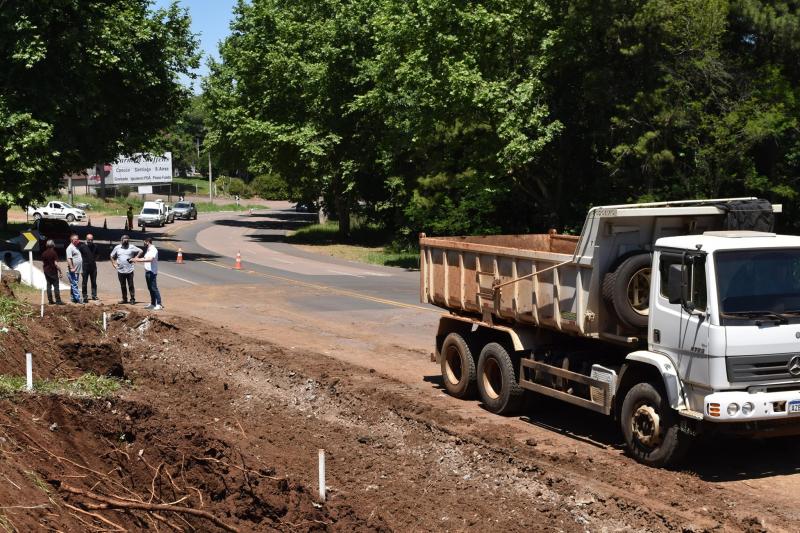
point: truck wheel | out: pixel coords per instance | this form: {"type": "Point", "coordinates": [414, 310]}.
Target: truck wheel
{"type": "Point", "coordinates": [650, 427]}
{"type": "Point", "coordinates": [628, 290]}
{"type": "Point", "coordinates": [458, 367]}
{"type": "Point", "coordinates": [37, 216]}
{"type": "Point", "coordinates": [70, 218]}
{"type": "Point", "coordinates": [497, 380]}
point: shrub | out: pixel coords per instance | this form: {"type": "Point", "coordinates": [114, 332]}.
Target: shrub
{"type": "Point", "coordinates": [270, 187]}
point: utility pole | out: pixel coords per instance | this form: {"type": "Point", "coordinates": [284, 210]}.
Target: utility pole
{"type": "Point", "coordinates": [210, 190]}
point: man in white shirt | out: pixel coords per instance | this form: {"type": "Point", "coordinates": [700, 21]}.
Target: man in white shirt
{"type": "Point", "coordinates": [74, 266]}
{"type": "Point", "coordinates": [150, 261]}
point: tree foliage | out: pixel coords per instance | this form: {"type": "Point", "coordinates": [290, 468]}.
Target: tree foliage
{"type": "Point", "coordinates": [82, 81]}
{"type": "Point", "coordinates": [511, 115]}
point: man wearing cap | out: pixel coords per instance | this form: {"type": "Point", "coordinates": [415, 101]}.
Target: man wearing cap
{"type": "Point", "coordinates": [122, 259]}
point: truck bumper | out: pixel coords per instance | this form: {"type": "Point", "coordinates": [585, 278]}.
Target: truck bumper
{"type": "Point", "coordinates": [730, 406]}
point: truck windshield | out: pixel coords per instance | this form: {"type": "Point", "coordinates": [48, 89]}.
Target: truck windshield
{"type": "Point", "coordinates": [149, 211]}
{"type": "Point", "coordinates": [758, 282]}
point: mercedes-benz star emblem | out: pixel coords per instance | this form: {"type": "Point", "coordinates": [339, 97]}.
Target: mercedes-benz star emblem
{"type": "Point", "coordinates": [794, 365]}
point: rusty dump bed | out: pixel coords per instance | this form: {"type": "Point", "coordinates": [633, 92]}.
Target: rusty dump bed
{"type": "Point", "coordinates": [458, 273]}
{"type": "Point", "coordinates": [555, 281]}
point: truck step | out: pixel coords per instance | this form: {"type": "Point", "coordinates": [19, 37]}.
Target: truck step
{"type": "Point", "coordinates": [688, 413]}
{"type": "Point", "coordinates": [545, 369]}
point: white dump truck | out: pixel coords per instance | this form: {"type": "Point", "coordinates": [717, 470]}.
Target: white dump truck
{"type": "Point", "coordinates": [673, 318]}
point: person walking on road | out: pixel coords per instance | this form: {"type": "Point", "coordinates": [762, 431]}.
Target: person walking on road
{"type": "Point", "coordinates": [122, 260]}
{"type": "Point", "coordinates": [88, 252]}
{"type": "Point", "coordinates": [52, 272]}
{"type": "Point", "coordinates": [75, 267]}
{"type": "Point", "coordinates": [150, 261]}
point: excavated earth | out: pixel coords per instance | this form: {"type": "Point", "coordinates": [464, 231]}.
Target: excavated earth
{"type": "Point", "coordinates": [229, 427]}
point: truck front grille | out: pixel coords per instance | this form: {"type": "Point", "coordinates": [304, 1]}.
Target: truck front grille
{"type": "Point", "coordinates": [759, 367]}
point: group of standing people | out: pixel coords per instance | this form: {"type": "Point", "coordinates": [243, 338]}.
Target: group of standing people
{"type": "Point", "coordinates": [82, 266]}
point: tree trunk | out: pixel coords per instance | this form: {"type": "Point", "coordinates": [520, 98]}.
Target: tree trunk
{"type": "Point", "coordinates": [3, 217]}
{"type": "Point", "coordinates": [343, 211]}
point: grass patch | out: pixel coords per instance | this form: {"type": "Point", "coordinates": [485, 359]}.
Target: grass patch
{"type": "Point", "coordinates": [6, 524]}
{"type": "Point", "coordinates": [208, 207]}
{"type": "Point", "coordinates": [87, 386]}
{"type": "Point", "coordinates": [37, 481]}
{"type": "Point", "coordinates": [368, 243]}
{"type": "Point", "coordinates": [197, 186]}
{"type": "Point", "coordinates": [27, 293]}
{"type": "Point", "coordinates": [13, 312]}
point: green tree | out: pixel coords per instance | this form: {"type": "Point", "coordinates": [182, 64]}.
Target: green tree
{"type": "Point", "coordinates": [282, 97]}
{"type": "Point", "coordinates": [184, 137]}
{"type": "Point", "coordinates": [85, 80]}
{"type": "Point", "coordinates": [511, 115]}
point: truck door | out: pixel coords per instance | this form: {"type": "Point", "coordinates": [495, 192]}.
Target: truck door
{"type": "Point", "coordinates": [57, 210]}
{"type": "Point", "coordinates": [677, 331]}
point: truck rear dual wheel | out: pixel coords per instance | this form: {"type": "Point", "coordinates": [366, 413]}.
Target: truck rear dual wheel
{"type": "Point", "coordinates": [458, 367]}
{"type": "Point", "coordinates": [650, 426]}
{"type": "Point", "coordinates": [627, 289]}
{"type": "Point", "coordinates": [498, 382]}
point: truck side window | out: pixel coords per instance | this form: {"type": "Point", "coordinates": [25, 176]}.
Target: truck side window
{"type": "Point", "coordinates": [665, 262]}
{"type": "Point", "coordinates": [696, 264]}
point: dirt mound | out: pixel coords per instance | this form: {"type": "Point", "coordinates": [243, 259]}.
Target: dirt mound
{"type": "Point", "coordinates": [98, 357]}
{"type": "Point", "coordinates": [73, 457]}
{"type": "Point", "coordinates": [137, 463]}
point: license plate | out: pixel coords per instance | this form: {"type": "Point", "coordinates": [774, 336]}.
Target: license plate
{"type": "Point", "coordinates": [794, 407]}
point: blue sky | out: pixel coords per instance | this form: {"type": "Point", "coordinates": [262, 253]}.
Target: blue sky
{"type": "Point", "coordinates": [211, 19]}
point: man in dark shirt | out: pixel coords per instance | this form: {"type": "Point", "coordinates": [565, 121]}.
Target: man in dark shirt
{"type": "Point", "coordinates": [88, 250]}
{"type": "Point", "coordinates": [51, 272]}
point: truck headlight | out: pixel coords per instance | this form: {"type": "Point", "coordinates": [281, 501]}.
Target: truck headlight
{"type": "Point", "coordinates": [733, 408]}
{"type": "Point", "coordinates": [747, 408]}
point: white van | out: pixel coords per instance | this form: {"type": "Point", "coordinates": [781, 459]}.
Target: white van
{"type": "Point", "coordinates": [153, 214]}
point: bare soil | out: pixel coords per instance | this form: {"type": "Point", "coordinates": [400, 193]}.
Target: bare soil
{"type": "Point", "coordinates": [231, 425]}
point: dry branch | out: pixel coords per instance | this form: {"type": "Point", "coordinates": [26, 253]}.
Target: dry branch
{"type": "Point", "coordinates": [114, 503]}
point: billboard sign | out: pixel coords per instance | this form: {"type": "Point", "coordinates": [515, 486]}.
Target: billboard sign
{"type": "Point", "coordinates": [141, 169]}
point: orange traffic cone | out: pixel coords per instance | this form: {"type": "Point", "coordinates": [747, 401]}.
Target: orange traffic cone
{"type": "Point", "coordinates": [180, 257]}
{"type": "Point", "coordinates": [238, 265]}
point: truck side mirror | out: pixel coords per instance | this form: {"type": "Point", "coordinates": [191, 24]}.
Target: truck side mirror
{"type": "Point", "coordinates": [676, 284]}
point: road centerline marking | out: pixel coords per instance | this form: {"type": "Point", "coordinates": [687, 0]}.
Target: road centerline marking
{"type": "Point", "coordinates": [178, 278]}
{"type": "Point", "coordinates": [328, 288]}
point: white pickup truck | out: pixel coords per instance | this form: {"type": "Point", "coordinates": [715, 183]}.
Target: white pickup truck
{"type": "Point", "coordinates": [58, 210]}
{"type": "Point", "coordinates": [675, 319]}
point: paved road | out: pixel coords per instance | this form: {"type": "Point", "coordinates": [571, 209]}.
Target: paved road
{"type": "Point", "coordinates": [321, 288]}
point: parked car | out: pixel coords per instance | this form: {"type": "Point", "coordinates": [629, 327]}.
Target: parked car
{"type": "Point", "coordinates": [57, 210]}
{"type": "Point", "coordinates": [153, 214]}
{"type": "Point", "coordinates": [49, 228]}
{"type": "Point", "coordinates": [185, 211]}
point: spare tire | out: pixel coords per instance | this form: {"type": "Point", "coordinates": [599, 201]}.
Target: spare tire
{"type": "Point", "coordinates": [627, 289]}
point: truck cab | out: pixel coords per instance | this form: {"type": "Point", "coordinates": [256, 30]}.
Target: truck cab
{"type": "Point", "coordinates": [725, 308]}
